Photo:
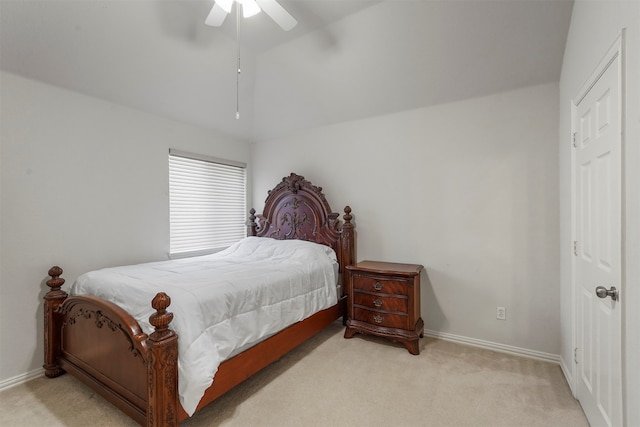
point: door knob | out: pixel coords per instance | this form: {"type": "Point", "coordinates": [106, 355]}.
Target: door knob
{"type": "Point", "coordinates": [603, 292]}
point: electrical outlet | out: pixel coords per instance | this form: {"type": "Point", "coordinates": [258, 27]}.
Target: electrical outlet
{"type": "Point", "coordinates": [501, 313]}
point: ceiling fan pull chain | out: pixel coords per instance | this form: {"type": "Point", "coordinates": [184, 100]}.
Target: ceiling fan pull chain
{"type": "Point", "coordinates": [238, 64]}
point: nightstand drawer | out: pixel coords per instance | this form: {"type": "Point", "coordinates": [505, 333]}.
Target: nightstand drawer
{"type": "Point", "coordinates": [378, 302]}
{"type": "Point", "coordinates": [384, 286]}
{"type": "Point", "coordinates": [398, 321]}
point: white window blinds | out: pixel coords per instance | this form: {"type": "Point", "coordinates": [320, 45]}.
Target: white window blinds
{"type": "Point", "coordinates": [207, 203]}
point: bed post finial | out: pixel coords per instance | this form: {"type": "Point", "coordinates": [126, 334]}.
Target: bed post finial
{"type": "Point", "coordinates": [348, 238]}
{"type": "Point", "coordinates": [347, 216]}
{"type": "Point", "coordinates": [253, 227]}
{"type": "Point", "coordinates": [161, 318]}
{"type": "Point", "coordinates": [162, 366]}
{"type": "Point", "coordinates": [52, 300]}
{"type": "Point", "coordinates": [56, 282]}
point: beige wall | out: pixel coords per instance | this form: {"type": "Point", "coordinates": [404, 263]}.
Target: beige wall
{"type": "Point", "coordinates": [84, 185]}
{"type": "Point", "coordinates": [468, 189]}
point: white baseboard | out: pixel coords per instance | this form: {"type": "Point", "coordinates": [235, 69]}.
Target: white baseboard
{"type": "Point", "coordinates": [502, 348]}
{"type": "Point", "coordinates": [20, 379]}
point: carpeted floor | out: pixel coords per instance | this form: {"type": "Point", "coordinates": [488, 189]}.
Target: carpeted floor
{"type": "Point", "coordinates": [330, 381]}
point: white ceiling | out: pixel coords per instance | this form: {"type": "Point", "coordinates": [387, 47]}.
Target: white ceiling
{"type": "Point", "coordinates": [346, 59]}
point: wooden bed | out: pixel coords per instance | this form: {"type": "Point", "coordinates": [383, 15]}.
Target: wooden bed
{"type": "Point", "coordinates": [105, 347]}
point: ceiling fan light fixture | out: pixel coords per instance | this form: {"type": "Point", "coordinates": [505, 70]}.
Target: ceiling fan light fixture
{"type": "Point", "coordinates": [249, 8]}
{"type": "Point", "coordinates": [226, 5]}
{"type": "Point", "coordinates": [221, 8]}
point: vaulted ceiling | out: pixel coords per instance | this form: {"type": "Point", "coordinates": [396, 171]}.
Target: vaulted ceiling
{"type": "Point", "coordinates": [345, 60]}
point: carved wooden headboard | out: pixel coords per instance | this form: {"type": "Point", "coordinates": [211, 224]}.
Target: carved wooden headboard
{"type": "Point", "coordinates": [297, 209]}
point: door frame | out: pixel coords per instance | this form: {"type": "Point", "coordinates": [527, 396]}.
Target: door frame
{"type": "Point", "coordinates": [615, 52]}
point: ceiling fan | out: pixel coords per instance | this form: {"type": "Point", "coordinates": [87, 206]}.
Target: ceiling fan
{"type": "Point", "coordinates": [221, 8]}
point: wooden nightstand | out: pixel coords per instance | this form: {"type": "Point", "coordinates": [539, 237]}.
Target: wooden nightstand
{"type": "Point", "coordinates": [384, 300]}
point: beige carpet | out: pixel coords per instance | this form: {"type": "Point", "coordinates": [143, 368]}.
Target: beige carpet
{"type": "Point", "coordinates": [330, 381]}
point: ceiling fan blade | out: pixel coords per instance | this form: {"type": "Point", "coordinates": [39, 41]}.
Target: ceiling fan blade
{"type": "Point", "coordinates": [277, 13]}
{"type": "Point", "coordinates": [216, 16]}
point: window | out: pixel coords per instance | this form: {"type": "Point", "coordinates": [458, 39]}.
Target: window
{"type": "Point", "coordinates": [207, 203]}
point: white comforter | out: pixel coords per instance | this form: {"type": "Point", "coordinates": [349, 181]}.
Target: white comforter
{"type": "Point", "coordinates": [222, 302]}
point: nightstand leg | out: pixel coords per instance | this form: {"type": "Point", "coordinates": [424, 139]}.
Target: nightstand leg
{"type": "Point", "coordinates": [413, 346]}
{"type": "Point", "coordinates": [349, 332]}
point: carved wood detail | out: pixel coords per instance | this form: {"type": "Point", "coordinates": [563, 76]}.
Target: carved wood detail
{"type": "Point", "coordinates": [100, 321]}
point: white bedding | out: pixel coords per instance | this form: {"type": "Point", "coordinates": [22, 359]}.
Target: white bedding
{"type": "Point", "coordinates": [222, 302]}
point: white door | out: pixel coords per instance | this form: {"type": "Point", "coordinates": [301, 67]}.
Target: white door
{"type": "Point", "coordinates": [597, 221]}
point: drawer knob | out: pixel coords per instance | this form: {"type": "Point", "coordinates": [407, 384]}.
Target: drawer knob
{"type": "Point", "coordinates": [377, 302]}
{"type": "Point", "coordinates": [377, 286]}
{"type": "Point", "coordinates": [377, 318]}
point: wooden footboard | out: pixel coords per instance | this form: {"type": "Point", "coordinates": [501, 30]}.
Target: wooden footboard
{"type": "Point", "coordinates": [104, 347]}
